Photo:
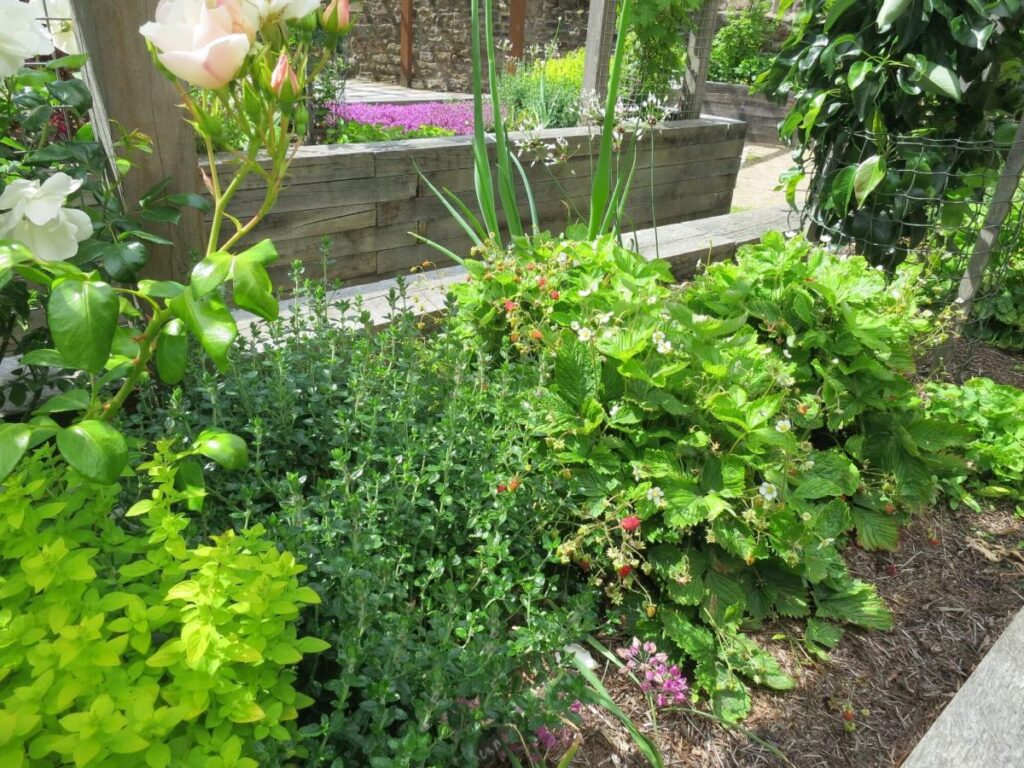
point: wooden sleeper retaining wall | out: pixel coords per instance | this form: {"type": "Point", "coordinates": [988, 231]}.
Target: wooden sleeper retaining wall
{"type": "Point", "coordinates": [367, 198]}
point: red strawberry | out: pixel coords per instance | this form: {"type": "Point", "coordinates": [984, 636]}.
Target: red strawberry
{"type": "Point", "coordinates": [625, 570]}
{"type": "Point", "coordinates": [630, 523]}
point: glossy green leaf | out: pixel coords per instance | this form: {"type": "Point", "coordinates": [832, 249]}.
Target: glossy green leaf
{"type": "Point", "coordinates": [94, 448]}
{"type": "Point", "coordinates": [941, 81]}
{"type": "Point", "coordinates": [228, 450]}
{"type": "Point", "coordinates": [72, 400]}
{"type": "Point", "coordinates": [172, 352]}
{"type": "Point", "coordinates": [160, 289]}
{"type": "Point", "coordinates": [210, 273]}
{"type": "Point", "coordinates": [858, 73]}
{"type": "Point", "coordinates": [842, 189]}
{"type": "Point", "coordinates": [210, 321]}
{"type": "Point", "coordinates": [12, 254]}
{"type": "Point", "coordinates": [890, 11]}
{"type": "Point", "coordinates": [83, 316]}
{"type": "Point", "coordinates": [868, 176]}
{"type": "Point", "coordinates": [71, 93]}
{"type": "Point", "coordinates": [14, 441]}
{"type": "Point", "coordinates": [253, 290]}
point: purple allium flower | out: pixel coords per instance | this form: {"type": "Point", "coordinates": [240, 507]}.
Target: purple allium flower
{"type": "Point", "coordinates": [456, 116]}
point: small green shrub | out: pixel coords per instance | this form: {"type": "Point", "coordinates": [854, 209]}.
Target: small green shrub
{"type": "Point", "coordinates": [399, 465]}
{"type": "Point", "coordinates": [122, 646]}
{"type": "Point", "coordinates": [729, 439]}
{"type": "Point", "coordinates": [992, 413]}
{"type": "Point", "coordinates": [544, 92]}
{"type": "Point", "coordinates": [353, 132]}
{"type": "Point", "coordinates": [745, 46]}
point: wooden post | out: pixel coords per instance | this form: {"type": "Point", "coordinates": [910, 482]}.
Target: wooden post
{"type": "Point", "coordinates": [1002, 200]}
{"type": "Point", "coordinates": [517, 29]}
{"type": "Point", "coordinates": [128, 89]}
{"type": "Point", "coordinates": [698, 54]}
{"type": "Point", "coordinates": [600, 35]}
{"type": "Point", "coordinates": [405, 41]}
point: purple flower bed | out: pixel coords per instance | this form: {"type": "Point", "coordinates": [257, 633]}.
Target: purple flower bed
{"type": "Point", "coordinates": [454, 116]}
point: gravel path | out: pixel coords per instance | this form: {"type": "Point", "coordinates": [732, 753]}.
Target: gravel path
{"type": "Point", "coordinates": [759, 175]}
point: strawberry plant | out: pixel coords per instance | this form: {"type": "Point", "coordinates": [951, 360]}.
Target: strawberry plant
{"type": "Point", "coordinates": [722, 469]}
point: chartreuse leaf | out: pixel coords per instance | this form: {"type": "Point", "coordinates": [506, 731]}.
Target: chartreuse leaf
{"type": "Point", "coordinates": [95, 449]}
{"type": "Point", "coordinates": [14, 441]}
{"type": "Point", "coordinates": [210, 321]}
{"type": "Point", "coordinates": [82, 316]}
{"type": "Point", "coordinates": [226, 449]}
{"type": "Point", "coordinates": [172, 352]}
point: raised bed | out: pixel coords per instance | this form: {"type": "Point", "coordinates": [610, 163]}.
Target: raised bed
{"type": "Point", "coordinates": [738, 103]}
{"type": "Point", "coordinates": [367, 198]}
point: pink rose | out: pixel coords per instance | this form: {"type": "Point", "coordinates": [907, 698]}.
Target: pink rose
{"type": "Point", "coordinates": [205, 46]}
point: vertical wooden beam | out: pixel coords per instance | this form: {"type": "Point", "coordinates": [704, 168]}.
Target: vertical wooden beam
{"type": "Point", "coordinates": [128, 89]}
{"type": "Point", "coordinates": [517, 28]}
{"type": "Point", "coordinates": [698, 55]}
{"type": "Point", "coordinates": [1002, 200]}
{"type": "Point", "coordinates": [405, 41]}
{"type": "Point", "coordinates": [600, 35]}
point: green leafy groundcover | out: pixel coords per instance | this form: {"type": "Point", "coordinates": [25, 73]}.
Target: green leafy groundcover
{"type": "Point", "coordinates": [729, 438]}
{"type": "Point", "coordinates": [398, 469]}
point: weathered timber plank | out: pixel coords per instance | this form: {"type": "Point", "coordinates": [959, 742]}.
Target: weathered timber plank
{"type": "Point", "coordinates": [328, 194]}
{"type": "Point", "coordinates": [283, 226]}
{"type": "Point", "coordinates": [983, 726]}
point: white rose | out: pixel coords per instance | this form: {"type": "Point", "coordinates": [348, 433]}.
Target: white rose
{"type": "Point", "coordinates": [21, 36]}
{"type": "Point", "coordinates": [202, 45]}
{"type": "Point", "coordinates": [34, 215]}
{"type": "Point", "coordinates": [262, 13]}
{"type": "Point", "coordinates": [57, 16]}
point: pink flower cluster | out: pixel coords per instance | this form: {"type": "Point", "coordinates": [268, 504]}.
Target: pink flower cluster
{"type": "Point", "coordinates": [455, 116]}
{"type": "Point", "coordinates": [666, 683]}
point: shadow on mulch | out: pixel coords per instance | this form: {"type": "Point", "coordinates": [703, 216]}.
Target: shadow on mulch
{"type": "Point", "coordinates": [953, 585]}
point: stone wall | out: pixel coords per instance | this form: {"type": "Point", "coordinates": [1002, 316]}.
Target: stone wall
{"type": "Point", "coordinates": [441, 37]}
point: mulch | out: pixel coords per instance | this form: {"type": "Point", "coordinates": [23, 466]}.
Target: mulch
{"type": "Point", "coordinates": [953, 585]}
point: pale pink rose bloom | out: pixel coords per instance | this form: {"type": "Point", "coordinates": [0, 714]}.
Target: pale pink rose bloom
{"type": "Point", "coordinates": [205, 46]}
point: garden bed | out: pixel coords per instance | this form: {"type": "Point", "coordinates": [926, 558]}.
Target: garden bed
{"type": "Point", "coordinates": [738, 103]}
{"type": "Point", "coordinates": [954, 585]}
{"type": "Point", "coordinates": [368, 198]}
{"type": "Point", "coordinates": [951, 601]}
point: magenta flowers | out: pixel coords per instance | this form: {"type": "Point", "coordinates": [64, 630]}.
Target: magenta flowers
{"type": "Point", "coordinates": [659, 680]}
{"type": "Point", "coordinates": [455, 116]}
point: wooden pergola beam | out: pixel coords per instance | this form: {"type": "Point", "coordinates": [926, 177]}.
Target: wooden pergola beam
{"type": "Point", "coordinates": [600, 35]}
{"type": "Point", "coordinates": [517, 28]}
{"type": "Point", "coordinates": [128, 89]}
{"type": "Point", "coordinates": [698, 56]}
{"type": "Point", "coordinates": [405, 35]}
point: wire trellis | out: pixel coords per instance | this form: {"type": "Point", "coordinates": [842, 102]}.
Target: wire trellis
{"type": "Point", "coordinates": [930, 207]}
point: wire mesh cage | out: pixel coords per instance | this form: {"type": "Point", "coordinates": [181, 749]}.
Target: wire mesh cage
{"type": "Point", "coordinates": [927, 200]}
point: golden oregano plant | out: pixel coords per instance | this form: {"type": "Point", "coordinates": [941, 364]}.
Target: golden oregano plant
{"type": "Point", "coordinates": [121, 644]}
